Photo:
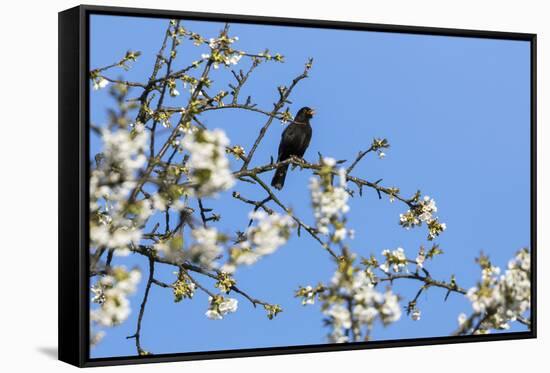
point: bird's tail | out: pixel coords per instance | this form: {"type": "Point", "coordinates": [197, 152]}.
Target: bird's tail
{"type": "Point", "coordinates": [279, 178]}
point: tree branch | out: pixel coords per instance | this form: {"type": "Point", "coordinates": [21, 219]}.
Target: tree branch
{"type": "Point", "coordinates": [137, 335]}
{"type": "Point", "coordinates": [284, 94]}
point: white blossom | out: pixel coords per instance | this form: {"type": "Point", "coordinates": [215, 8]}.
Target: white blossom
{"type": "Point", "coordinates": [213, 315]}
{"type": "Point", "coordinates": [420, 258]}
{"type": "Point", "coordinates": [502, 298]}
{"type": "Point", "coordinates": [219, 307]}
{"type": "Point", "coordinates": [395, 260]}
{"type": "Point", "coordinates": [462, 319]}
{"type": "Point", "coordinates": [328, 161]}
{"type": "Point", "coordinates": [337, 337]}
{"type": "Point", "coordinates": [309, 296]}
{"type": "Point", "coordinates": [330, 203]}
{"type": "Point", "coordinates": [111, 293]}
{"type": "Point", "coordinates": [171, 250]}
{"type": "Point", "coordinates": [99, 295]}
{"type": "Point", "coordinates": [365, 314]}
{"type": "Point", "coordinates": [340, 234]}
{"type": "Point", "coordinates": [222, 52]}
{"type": "Point", "coordinates": [390, 311]}
{"type": "Point", "coordinates": [205, 250]}
{"type": "Point", "coordinates": [229, 305]}
{"type": "Point", "coordinates": [368, 304]}
{"type": "Point", "coordinates": [428, 208]}
{"type": "Point", "coordinates": [423, 212]}
{"type": "Point", "coordinates": [96, 337]}
{"type": "Point", "coordinates": [208, 164]}
{"type": "Point", "coordinates": [99, 83]}
{"type": "Point", "coordinates": [340, 316]}
{"type": "Point", "coordinates": [234, 59]}
{"type": "Point", "coordinates": [159, 203]}
{"type": "Point", "coordinates": [270, 232]}
{"type": "Point", "coordinates": [113, 224]}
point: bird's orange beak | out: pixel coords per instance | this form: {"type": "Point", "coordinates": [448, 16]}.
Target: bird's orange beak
{"type": "Point", "coordinates": [311, 112]}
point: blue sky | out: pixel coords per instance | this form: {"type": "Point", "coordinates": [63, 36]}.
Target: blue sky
{"type": "Point", "coordinates": [456, 113]}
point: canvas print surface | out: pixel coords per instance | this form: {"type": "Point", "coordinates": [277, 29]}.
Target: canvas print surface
{"type": "Point", "coordinates": [258, 186]}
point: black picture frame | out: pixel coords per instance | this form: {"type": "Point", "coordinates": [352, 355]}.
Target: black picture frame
{"type": "Point", "coordinates": [74, 170]}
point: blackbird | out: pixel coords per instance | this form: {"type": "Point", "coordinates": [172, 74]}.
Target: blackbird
{"type": "Point", "coordinates": [294, 142]}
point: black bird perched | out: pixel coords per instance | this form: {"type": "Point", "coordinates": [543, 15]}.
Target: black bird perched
{"type": "Point", "coordinates": [294, 142]}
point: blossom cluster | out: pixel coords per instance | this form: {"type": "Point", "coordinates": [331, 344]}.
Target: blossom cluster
{"type": "Point", "coordinates": [352, 303]}
{"type": "Point", "coordinates": [208, 165]}
{"type": "Point", "coordinates": [395, 259]}
{"type": "Point", "coordinates": [330, 202]}
{"type": "Point", "coordinates": [367, 304]}
{"type": "Point", "coordinates": [423, 212]}
{"type": "Point", "coordinates": [99, 82]}
{"type": "Point", "coordinates": [111, 294]}
{"type": "Point", "coordinates": [183, 288]}
{"type": "Point", "coordinates": [502, 298]}
{"type": "Point", "coordinates": [378, 145]}
{"type": "Point", "coordinates": [96, 336]}
{"type": "Point", "coordinates": [114, 221]}
{"type": "Point", "coordinates": [206, 249]}
{"type": "Point", "coordinates": [221, 51]}
{"type": "Point", "coordinates": [192, 82]}
{"type": "Point", "coordinates": [168, 196]}
{"type": "Point", "coordinates": [308, 293]}
{"type": "Point", "coordinates": [225, 282]}
{"type": "Point", "coordinates": [270, 232]}
{"type": "Point", "coordinates": [220, 306]}
{"type": "Point", "coordinates": [122, 155]}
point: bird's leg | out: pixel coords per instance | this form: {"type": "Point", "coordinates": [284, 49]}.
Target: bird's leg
{"type": "Point", "coordinates": [295, 160]}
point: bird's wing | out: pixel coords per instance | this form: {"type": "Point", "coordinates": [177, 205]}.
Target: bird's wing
{"type": "Point", "coordinates": [306, 138]}
{"type": "Point", "coordinates": [288, 141]}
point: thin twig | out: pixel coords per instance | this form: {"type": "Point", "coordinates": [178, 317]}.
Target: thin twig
{"type": "Point", "coordinates": [137, 335]}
